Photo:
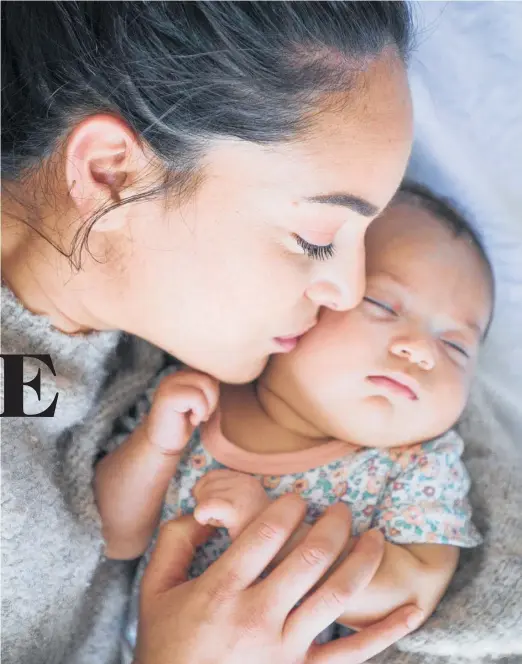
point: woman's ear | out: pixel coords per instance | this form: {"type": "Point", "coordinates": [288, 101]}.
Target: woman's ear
{"type": "Point", "coordinates": [103, 164]}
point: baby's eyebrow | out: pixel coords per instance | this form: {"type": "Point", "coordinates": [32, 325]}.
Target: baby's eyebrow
{"type": "Point", "coordinates": [388, 276]}
{"type": "Point", "coordinates": [474, 327]}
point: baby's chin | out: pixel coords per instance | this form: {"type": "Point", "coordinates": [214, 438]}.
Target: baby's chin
{"type": "Point", "coordinates": [379, 424]}
{"type": "Point", "coordinates": [383, 439]}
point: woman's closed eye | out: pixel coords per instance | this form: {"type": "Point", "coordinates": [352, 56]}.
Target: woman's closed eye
{"type": "Point", "coordinates": [319, 252]}
{"type": "Point", "coordinates": [380, 304]}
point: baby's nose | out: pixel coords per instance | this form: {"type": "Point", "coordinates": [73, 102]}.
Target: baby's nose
{"type": "Point", "coordinates": [417, 352]}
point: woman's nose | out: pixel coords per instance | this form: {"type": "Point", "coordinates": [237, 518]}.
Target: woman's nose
{"type": "Point", "coordinates": [416, 351]}
{"type": "Point", "coordinates": [342, 288]}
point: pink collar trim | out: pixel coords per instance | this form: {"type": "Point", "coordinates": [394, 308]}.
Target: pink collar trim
{"type": "Point", "coordinates": [236, 458]}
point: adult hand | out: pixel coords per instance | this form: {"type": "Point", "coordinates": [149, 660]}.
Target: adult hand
{"type": "Point", "coordinates": [229, 616]}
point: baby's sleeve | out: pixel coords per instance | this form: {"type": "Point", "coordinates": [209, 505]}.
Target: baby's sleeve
{"type": "Point", "coordinates": [425, 500]}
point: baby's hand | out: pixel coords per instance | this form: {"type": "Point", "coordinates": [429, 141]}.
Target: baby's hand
{"type": "Point", "coordinates": [229, 499]}
{"type": "Point", "coordinates": [182, 402]}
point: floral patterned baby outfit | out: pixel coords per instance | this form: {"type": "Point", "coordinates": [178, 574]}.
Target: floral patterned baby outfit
{"type": "Point", "coordinates": [414, 494]}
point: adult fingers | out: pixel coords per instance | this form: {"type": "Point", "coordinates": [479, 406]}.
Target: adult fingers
{"type": "Point", "coordinates": [247, 557]}
{"type": "Point", "coordinates": [360, 647]}
{"type": "Point", "coordinates": [173, 553]}
{"type": "Point", "coordinates": [328, 602]}
{"type": "Point", "coordinates": [310, 560]}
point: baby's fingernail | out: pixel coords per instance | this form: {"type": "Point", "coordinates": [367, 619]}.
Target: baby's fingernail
{"type": "Point", "coordinates": [200, 517]}
{"type": "Point", "coordinates": [414, 618]}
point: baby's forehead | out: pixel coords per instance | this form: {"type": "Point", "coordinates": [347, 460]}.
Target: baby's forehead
{"type": "Point", "coordinates": [406, 231]}
{"type": "Point", "coordinates": [403, 233]}
{"type": "Point", "coordinates": [413, 251]}
{"type": "Point", "coordinates": [415, 208]}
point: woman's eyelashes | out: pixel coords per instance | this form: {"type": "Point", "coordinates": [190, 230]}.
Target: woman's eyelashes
{"type": "Point", "coordinates": [319, 252]}
{"type": "Point", "coordinates": [381, 305]}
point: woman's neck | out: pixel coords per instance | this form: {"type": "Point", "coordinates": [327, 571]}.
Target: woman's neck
{"type": "Point", "coordinates": [39, 275]}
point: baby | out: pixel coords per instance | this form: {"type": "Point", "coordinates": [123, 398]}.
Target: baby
{"type": "Point", "coordinates": [361, 411]}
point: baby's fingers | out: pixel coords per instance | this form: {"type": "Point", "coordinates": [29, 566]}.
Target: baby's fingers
{"type": "Point", "coordinates": [205, 384]}
{"type": "Point", "coordinates": [210, 388]}
{"type": "Point", "coordinates": [218, 480]}
{"type": "Point", "coordinates": [216, 511]}
{"type": "Point", "coordinates": [190, 400]}
{"type": "Point", "coordinates": [173, 419]}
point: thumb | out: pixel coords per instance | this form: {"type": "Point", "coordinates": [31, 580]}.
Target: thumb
{"type": "Point", "coordinates": [173, 554]}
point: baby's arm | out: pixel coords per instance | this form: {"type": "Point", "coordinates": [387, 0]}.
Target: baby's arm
{"type": "Point", "coordinates": [425, 500]}
{"type": "Point", "coordinates": [130, 483]}
{"type": "Point", "coordinates": [408, 573]}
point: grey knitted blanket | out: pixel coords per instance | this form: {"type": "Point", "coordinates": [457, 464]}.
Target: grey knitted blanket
{"type": "Point", "coordinates": [62, 602]}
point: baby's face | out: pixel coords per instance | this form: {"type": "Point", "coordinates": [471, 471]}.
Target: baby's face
{"type": "Point", "coordinates": [397, 369]}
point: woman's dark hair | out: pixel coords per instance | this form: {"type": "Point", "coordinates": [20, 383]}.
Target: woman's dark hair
{"type": "Point", "coordinates": [180, 73]}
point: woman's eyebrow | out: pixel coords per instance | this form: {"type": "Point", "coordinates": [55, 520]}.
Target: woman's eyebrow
{"type": "Point", "coordinates": [359, 205]}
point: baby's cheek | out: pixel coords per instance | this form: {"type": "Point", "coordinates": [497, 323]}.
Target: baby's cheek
{"type": "Point", "coordinates": [460, 392]}
{"type": "Point", "coordinates": [452, 396]}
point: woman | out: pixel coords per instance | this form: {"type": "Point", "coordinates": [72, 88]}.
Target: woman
{"type": "Point", "coordinates": [200, 176]}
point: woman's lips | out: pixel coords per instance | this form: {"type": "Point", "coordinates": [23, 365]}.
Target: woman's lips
{"type": "Point", "coordinates": [395, 384]}
{"type": "Point", "coordinates": [287, 344]}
